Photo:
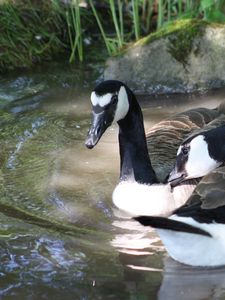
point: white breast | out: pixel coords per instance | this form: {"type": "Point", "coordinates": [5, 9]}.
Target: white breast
{"type": "Point", "coordinates": [142, 199]}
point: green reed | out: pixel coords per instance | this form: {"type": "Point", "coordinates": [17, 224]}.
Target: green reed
{"type": "Point", "coordinates": [106, 41]}
{"type": "Point", "coordinates": [113, 44]}
{"type": "Point", "coordinates": [117, 21]}
{"type": "Point", "coordinates": [135, 16]}
{"type": "Point", "coordinates": [146, 17]}
{"type": "Point", "coordinates": [73, 18]}
{"type": "Point", "coordinates": [161, 12]}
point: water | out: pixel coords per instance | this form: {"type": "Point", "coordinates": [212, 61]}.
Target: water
{"type": "Point", "coordinates": [60, 236]}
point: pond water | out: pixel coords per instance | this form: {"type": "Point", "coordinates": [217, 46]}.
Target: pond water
{"type": "Point", "coordinates": [60, 236]}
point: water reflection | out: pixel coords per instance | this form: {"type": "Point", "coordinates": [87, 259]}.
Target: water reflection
{"type": "Point", "coordinates": [183, 282]}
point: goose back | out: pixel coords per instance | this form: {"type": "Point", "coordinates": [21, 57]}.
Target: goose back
{"type": "Point", "coordinates": [209, 195]}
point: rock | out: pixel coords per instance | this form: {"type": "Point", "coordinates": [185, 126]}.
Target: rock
{"type": "Point", "coordinates": [186, 56]}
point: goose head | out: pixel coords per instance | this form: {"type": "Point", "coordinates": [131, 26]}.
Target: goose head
{"type": "Point", "coordinates": [110, 103]}
{"type": "Point", "coordinates": [199, 155]}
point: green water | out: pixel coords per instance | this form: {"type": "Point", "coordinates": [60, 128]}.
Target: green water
{"type": "Point", "coordinates": [60, 236]}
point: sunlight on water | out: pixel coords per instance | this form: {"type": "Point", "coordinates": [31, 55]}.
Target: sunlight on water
{"type": "Point", "coordinates": [60, 235]}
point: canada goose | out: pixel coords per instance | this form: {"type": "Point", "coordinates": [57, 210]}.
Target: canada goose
{"type": "Point", "coordinates": [195, 233]}
{"type": "Point", "coordinates": [138, 189]}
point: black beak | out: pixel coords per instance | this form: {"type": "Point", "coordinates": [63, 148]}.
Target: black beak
{"type": "Point", "coordinates": [98, 127]}
{"type": "Point", "coordinates": [176, 177]}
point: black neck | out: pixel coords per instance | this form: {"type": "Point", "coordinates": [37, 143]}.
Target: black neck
{"type": "Point", "coordinates": [135, 163]}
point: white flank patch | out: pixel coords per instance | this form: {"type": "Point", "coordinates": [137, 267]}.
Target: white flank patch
{"type": "Point", "coordinates": [142, 199]}
{"type": "Point", "coordinates": [122, 105]}
{"type": "Point", "coordinates": [100, 100]}
{"type": "Point", "coordinates": [195, 249]}
{"type": "Point", "coordinates": [179, 150]}
{"type": "Point", "coordinates": [217, 230]}
{"type": "Point", "coordinates": [199, 162]}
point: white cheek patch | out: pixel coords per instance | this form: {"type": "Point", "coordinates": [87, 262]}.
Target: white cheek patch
{"type": "Point", "coordinates": [122, 105]}
{"type": "Point", "coordinates": [199, 162]}
{"type": "Point", "coordinates": [100, 100]}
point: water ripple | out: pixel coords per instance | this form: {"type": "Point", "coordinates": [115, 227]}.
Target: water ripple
{"type": "Point", "coordinates": [27, 134]}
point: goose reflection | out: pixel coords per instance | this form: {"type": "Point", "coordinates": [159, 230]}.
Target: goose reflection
{"type": "Point", "coordinates": [184, 282]}
{"type": "Point", "coordinates": [148, 275]}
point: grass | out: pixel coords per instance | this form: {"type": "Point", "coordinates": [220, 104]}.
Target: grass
{"type": "Point", "coordinates": [29, 34]}
{"type": "Point", "coordinates": [34, 31]}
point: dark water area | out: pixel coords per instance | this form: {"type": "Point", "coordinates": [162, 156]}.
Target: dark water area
{"type": "Point", "coordinates": [60, 236]}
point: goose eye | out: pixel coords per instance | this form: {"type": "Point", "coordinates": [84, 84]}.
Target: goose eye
{"type": "Point", "coordinates": [185, 150]}
{"type": "Point", "coordinates": [114, 99]}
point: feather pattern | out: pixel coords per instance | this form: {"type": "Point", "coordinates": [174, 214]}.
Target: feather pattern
{"type": "Point", "coordinates": [164, 138]}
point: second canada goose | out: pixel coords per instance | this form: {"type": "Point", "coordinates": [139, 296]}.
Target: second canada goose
{"type": "Point", "coordinates": [199, 154]}
{"type": "Point", "coordinates": [139, 191]}
{"type": "Point", "coordinates": [195, 233]}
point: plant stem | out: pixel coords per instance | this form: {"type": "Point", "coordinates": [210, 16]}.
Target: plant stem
{"type": "Point", "coordinates": [149, 13]}
{"type": "Point", "coordinates": [115, 21]}
{"type": "Point", "coordinates": [180, 8]}
{"type": "Point", "coordinates": [136, 19]}
{"type": "Point", "coordinates": [168, 10]}
{"type": "Point", "coordinates": [100, 27]}
{"type": "Point", "coordinates": [160, 14]}
{"type": "Point", "coordinates": [120, 9]}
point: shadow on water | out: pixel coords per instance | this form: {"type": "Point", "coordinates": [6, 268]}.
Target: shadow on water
{"type": "Point", "coordinates": [59, 233]}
